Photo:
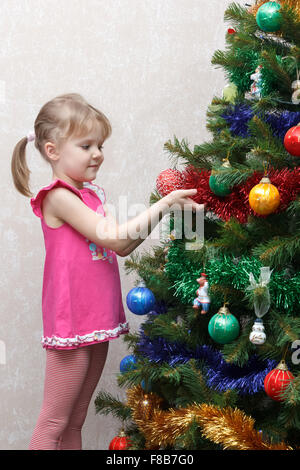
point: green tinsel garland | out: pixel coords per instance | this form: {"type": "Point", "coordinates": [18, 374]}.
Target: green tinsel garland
{"type": "Point", "coordinates": [227, 271]}
{"type": "Point", "coordinates": [240, 76]}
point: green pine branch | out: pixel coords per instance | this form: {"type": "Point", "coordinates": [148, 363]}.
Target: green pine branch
{"type": "Point", "coordinates": [194, 381]}
{"type": "Point", "coordinates": [267, 146]}
{"type": "Point", "coordinates": [106, 404]}
{"type": "Point", "coordinates": [293, 210]}
{"type": "Point", "coordinates": [291, 394]}
{"type": "Point", "coordinates": [262, 229]}
{"type": "Point", "coordinates": [286, 328]}
{"type": "Point", "coordinates": [237, 174]}
{"type": "Point", "coordinates": [181, 150]}
{"type": "Point", "coordinates": [289, 417]}
{"type": "Point", "coordinates": [131, 339]}
{"type": "Point", "coordinates": [238, 351]}
{"type": "Point", "coordinates": [276, 68]}
{"type": "Point", "coordinates": [233, 237]}
{"type": "Point", "coordinates": [266, 103]}
{"type": "Point", "coordinates": [222, 146]}
{"type": "Point", "coordinates": [238, 15]}
{"type": "Point", "coordinates": [290, 25]}
{"type": "Point", "coordinates": [166, 326]}
{"type": "Point", "coordinates": [279, 251]}
{"type": "Point", "coordinates": [192, 439]}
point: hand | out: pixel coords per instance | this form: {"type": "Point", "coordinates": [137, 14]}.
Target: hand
{"type": "Point", "coordinates": [181, 197]}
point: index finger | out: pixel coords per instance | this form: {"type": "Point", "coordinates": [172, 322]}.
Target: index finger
{"type": "Point", "coordinates": [190, 191]}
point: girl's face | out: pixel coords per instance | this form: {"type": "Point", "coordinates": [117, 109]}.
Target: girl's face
{"type": "Point", "coordinates": [78, 159]}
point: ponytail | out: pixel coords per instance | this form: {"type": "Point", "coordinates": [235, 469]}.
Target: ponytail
{"type": "Point", "coordinates": [19, 169]}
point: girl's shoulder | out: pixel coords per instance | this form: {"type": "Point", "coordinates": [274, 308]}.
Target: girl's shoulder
{"type": "Point", "coordinates": [37, 201]}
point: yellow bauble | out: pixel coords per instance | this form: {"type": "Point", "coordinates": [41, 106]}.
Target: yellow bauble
{"type": "Point", "coordinates": [264, 198]}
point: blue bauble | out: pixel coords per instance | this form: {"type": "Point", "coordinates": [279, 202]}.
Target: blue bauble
{"type": "Point", "coordinates": [268, 17]}
{"type": "Point", "coordinates": [140, 300]}
{"type": "Point", "coordinates": [128, 363]}
{"type": "Point", "coordinates": [146, 385]}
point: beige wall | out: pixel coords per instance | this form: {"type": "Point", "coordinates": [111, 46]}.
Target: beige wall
{"type": "Point", "coordinates": [146, 64]}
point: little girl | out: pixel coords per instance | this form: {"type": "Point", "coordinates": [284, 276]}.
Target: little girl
{"type": "Point", "coordinates": [81, 297]}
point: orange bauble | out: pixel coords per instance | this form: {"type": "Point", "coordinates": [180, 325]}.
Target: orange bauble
{"type": "Point", "coordinates": [264, 198]}
{"type": "Point", "coordinates": [120, 442]}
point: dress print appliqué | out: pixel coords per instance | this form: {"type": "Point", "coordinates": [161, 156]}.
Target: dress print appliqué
{"type": "Point", "coordinates": [98, 252]}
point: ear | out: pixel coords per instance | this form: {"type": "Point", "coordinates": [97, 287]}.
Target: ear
{"type": "Point", "coordinates": [51, 151]}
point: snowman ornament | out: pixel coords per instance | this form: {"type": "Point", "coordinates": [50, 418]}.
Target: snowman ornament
{"type": "Point", "coordinates": [258, 335]}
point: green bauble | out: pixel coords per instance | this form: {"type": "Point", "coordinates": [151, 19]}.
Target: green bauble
{"type": "Point", "coordinates": [223, 327]}
{"type": "Point", "coordinates": [268, 17]}
{"type": "Point", "coordinates": [230, 92]}
{"type": "Point", "coordinates": [219, 189]}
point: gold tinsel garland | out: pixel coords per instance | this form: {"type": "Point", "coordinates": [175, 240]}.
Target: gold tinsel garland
{"type": "Point", "coordinates": [231, 428]}
{"type": "Point", "coordinates": [294, 4]}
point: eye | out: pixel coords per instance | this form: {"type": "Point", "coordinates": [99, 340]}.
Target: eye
{"type": "Point", "coordinates": [85, 147]}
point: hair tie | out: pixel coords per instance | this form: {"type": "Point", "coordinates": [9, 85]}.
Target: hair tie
{"type": "Point", "coordinates": [30, 136]}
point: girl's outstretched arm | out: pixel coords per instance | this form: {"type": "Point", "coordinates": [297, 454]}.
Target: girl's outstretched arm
{"type": "Point", "coordinates": [105, 231]}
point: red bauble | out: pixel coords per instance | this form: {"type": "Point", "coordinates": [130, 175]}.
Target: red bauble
{"type": "Point", "coordinates": [277, 380]}
{"type": "Point", "coordinates": [120, 442]}
{"type": "Point", "coordinates": [231, 31]}
{"type": "Point", "coordinates": [292, 140]}
{"type": "Point", "coordinates": [169, 180]}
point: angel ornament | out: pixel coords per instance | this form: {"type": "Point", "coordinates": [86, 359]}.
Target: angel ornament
{"type": "Point", "coordinates": [202, 300]}
{"type": "Point", "coordinates": [261, 303]}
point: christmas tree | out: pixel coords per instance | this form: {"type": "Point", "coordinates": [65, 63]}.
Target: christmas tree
{"type": "Point", "coordinates": [215, 364]}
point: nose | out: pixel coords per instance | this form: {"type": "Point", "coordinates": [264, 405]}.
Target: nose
{"type": "Point", "coordinates": [97, 153]}
{"type": "Point", "coordinates": [97, 158]}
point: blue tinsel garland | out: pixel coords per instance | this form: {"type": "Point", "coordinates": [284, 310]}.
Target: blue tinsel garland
{"type": "Point", "coordinates": [238, 117]}
{"type": "Point", "coordinates": [220, 375]}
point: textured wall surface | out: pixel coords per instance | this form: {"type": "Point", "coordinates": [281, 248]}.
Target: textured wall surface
{"type": "Point", "coordinates": [144, 63]}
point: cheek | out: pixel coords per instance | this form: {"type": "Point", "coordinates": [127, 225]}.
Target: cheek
{"type": "Point", "coordinates": [76, 165]}
{"type": "Point", "coordinates": [80, 161]}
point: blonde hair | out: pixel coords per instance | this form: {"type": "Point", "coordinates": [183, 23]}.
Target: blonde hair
{"type": "Point", "coordinates": [59, 119]}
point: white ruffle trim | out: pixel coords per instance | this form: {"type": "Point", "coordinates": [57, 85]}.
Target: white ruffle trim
{"type": "Point", "coordinates": [56, 341]}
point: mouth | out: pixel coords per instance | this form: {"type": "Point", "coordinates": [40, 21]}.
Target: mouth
{"type": "Point", "coordinates": [94, 166]}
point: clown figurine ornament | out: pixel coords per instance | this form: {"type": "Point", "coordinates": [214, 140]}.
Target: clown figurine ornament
{"type": "Point", "coordinates": [202, 300]}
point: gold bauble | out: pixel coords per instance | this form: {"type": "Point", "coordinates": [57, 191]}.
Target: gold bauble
{"type": "Point", "coordinates": [264, 198]}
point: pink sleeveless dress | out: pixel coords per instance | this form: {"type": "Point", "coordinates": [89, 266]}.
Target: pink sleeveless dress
{"type": "Point", "coordinates": [81, 296]}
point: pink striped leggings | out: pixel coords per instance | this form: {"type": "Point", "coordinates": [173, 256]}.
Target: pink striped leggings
{"type": "Point", "coordinates": [70, 379]}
